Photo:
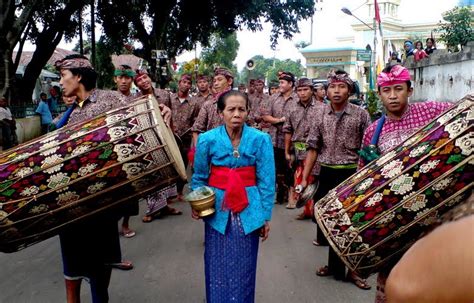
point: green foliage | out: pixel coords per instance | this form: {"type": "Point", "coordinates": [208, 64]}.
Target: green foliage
{"type": "Point", "coordinates": [457, 30]}
{"type": "Point", "coordinates": [221, 52]}
{"type": "Point", "coordinates": [268, 68]}
{"type": "Point", "coordinates": [373, 104]}
{"type": "Point", "coordinates": [104, 65]}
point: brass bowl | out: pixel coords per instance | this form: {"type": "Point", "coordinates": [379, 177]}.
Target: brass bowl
{"type": "Point", "coordinates": [202, 200]}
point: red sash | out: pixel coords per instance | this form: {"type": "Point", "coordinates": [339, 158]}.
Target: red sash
{"type": "Point", "coordinates": [233, 181]}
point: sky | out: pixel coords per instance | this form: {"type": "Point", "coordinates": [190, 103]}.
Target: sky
{"type": "Point", "coordinates": [329, 23]}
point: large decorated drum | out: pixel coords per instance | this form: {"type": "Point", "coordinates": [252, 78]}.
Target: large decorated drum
{"type": "Point", "coordinates": [377, 214]}
{"type": "Point", "coordinates": [83, 169]}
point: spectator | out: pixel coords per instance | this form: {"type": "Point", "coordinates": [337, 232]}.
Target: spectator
{"type": "Point", "coordinates": [419, 52]}
{"type": "Point", "coordinates": [45, 113]}
{"type": "Point", "coordinates": [394, 59]}
{"type": "Point", "coordinates": [430, 46]}
{"type": "Point", "coordinates": [8, 125]}
{"type": "Point", "coordinates": [53, 101]}
{"type": "Point", "coordinates": [408, 47]}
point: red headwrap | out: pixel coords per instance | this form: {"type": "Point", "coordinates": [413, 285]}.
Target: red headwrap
{"type": "Point", "coordinates": [73, 63]}
{"type": "Point", "coordinates": [140, 74]}
{"type": "Point", "coordinates": [397, 75]}
{"type": "Point", "coordinates": [203, 77]}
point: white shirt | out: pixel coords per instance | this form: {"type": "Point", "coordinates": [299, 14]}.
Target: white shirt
{"type": "Point", "coordinates": [5, 113]}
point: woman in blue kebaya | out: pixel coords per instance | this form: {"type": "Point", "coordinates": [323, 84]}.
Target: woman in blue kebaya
{"type": "Point", "coordinates": [236, 161]}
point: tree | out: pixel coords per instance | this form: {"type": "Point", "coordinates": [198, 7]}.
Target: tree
{"type": "Point", "coordinates": [458, 30]}
{"type": "Point", "coordinates": [268, 68]}
{"type": "Point", "coordinates": [50, 23]}
{"type": "Point", "coordinates": [221, 52]}
{"type": "Point", "coordinates": [176, 26]}
{"type": "Point", "coordinates": [12, 27]}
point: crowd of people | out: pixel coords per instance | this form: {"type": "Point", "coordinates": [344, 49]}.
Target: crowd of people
{"type": "Point", "coordinates": [414, 50]}
{"type": "Point", "coordinates": [253, 148]}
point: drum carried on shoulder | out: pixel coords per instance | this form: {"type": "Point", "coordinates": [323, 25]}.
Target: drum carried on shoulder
{"type": "Point", "coordinates": [82, 169]}
{"type": "Point", "coordinates": [373, 217]}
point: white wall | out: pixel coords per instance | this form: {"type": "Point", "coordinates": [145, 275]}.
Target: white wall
{"type": "Point", "coordinates": [443, 76]}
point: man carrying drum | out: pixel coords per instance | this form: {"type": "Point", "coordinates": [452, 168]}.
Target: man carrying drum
{"type": "Point", "coordinates": [89, 247]}
{"type": "Point", "coordinates": [157, 202]}
{"type": "Point", "coordinates": [400, 122]}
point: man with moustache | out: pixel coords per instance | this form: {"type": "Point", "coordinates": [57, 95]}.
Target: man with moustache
{"type": "Point", "coordinates": [143, 82]}
{"type": "Point", "coordinates": [257, 103]}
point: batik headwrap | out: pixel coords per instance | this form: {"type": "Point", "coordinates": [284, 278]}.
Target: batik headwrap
{"type": "Point", "coordinates": [397, 75]}
{"type": "Point", "coordinates": [286, 76]}
{"type": "Point", "coordinates": [203, 77]}
{"type": "Point", "coordinates": [186, 77]}
{"type": "Point", "coordinates": [343, 77]}
{"type": "Point", "coordinates": [304, 82]}
{"type": "Point", "coordinates": [224, 72]}
{"type": "Point", "coordinates": [73, 63]}
{"type": "Point", "coordinates": [122, 71]}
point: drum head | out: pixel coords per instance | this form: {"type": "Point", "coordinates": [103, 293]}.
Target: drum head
{"type": "Point", "coordinates": [307, 194]}
{"type": "Point", "coordinates": [168, 137]}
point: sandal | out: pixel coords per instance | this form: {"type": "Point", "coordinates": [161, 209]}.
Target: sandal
{"type": "Point", "coordinates": [124, 265]}
{"type": "Point", "coordinates": [358, 281]}
{"type": "Point", "coordinates": [323, 271]}
{"type": "Point", "coordinates": [170, 211]}
{"type": "Point", "coordinates": [129, 233]}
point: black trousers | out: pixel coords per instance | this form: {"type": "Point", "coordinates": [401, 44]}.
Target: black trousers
{"type": "Point", "coordinates": [328, 179]}
{"type": "Point", "coordinates": [184, 147]}
{"type": "Point", "coordinates": [284, 174]}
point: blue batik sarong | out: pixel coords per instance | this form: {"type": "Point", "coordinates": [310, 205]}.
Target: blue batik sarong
{"type": "Point", "coordinates": [230, 263]}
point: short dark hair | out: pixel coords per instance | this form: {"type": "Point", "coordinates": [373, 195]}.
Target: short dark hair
{"type": "Point", "coordinates": [388, 69]}
{"type": "Point", "coordinates": [431, 39]}
{"type": "Point", "coordinates": [223, 98]}
{"type": "Point", "coordinates": [88, 75]}
{"type": "Point", "coordinates": [43, 94]}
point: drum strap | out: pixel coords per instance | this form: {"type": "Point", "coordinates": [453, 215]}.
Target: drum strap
{"type": "Point", "coordinates": [378, 130]}
{"type": "Point", "coordinates": [65, 118]}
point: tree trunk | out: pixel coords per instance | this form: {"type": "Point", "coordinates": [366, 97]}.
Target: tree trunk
{"type": "Point", "coordinates": [46, 43]}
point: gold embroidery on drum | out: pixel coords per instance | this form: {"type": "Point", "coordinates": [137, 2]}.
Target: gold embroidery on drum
{"type": "Point", "coordinates": [428, 166]}
{"type": "Point", "coordinates": [79, 150]}
{"type": "Point", "coordinates": [58, 180]}
{"type": "Point", "coordinates": [38, 209]}
{"type": "Point", "coordinates": [67, 197]}
{"type": "Point", "coordinates": [416, 203]}
{"type": "Point", "coordinates": [94, 188]}
{"type": "Point", "coordinates": [86, 169]}
{"type": "Point", "coordinates": [457, 127]}
{"type": "Point", "coordinates": [132, 169]}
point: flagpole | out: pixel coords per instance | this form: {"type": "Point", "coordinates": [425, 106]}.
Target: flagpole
{"type": "Point", "coordinates": [373, 58]}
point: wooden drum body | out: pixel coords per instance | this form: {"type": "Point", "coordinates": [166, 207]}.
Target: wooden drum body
{"type": "Point", "coordinates": [377, 214]}
{"type": "Point", "coordinates": [82, 169]}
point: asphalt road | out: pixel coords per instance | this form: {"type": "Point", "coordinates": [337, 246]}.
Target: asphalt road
{"type": "Point", "coordinates": [168, 259]}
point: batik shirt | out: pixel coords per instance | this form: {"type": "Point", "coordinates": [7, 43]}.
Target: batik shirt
{"type": "Point", "coordinates": [338, 138]}
{"type": "Point", "coordinates": [208, 117]}
{"type": "Point", "coordinates": [200, 99]}
{"type": "Point", "coordinates": [299, 122]}
{"type": "Point", "coordinates": [162, 96]}
{"type": "Point", "coordinates": [183, 115]}
{"type": "Point", "coordinates": [257, 102]}
{"type": "Point", "coordinates": [394, 132]}
{"type": "Point", "coordinates": [278, 107]}
{"type": "Point", "coordinates": [98, 102]}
